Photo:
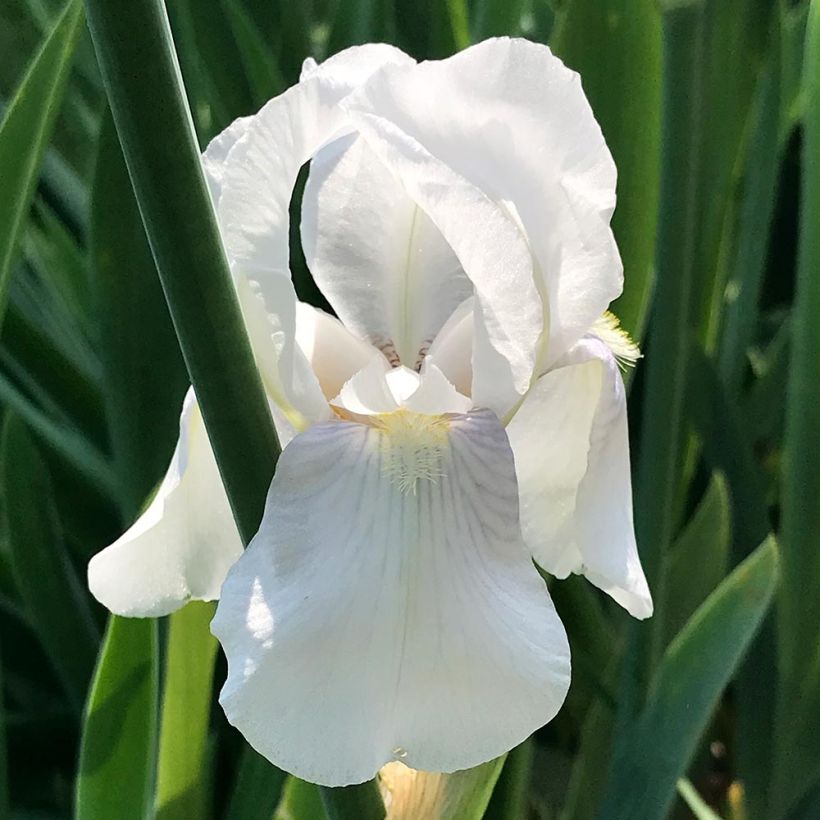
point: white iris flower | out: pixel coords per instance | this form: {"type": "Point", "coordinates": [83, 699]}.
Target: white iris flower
{"type": "Point", "coordinates": [463, 415]}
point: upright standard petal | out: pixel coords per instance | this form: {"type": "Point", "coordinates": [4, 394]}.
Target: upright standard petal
{"type": "Point", "coordinates": [388, 609]}
{"type": "Point", "coordinates": [181, 547]}
{"type": "Point", "coordinates": [512, 120]}
{"type": "Point", "coordinates": [255, 182]}
{"type": "Point", "coordinates": [490, 247]}
{"type": "Point", "coordinates": [571, 447]}
{"type": "Point", "coordinates": [376, 255]}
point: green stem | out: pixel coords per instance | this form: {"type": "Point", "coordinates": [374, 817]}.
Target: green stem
{"type": "Point", "coordinates": [144, 87]}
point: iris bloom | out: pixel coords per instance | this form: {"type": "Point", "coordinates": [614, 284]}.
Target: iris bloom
{"type": "Point", "coordinates": [463, 415]}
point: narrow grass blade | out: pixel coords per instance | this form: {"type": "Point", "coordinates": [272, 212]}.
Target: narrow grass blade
{"type": "Point", "coordinates": [691, 676]}
{"type": "Point", "coordinates": [25, 131]}
{"type": "Point", "coordinates": [694, 802]}
{"type": "Point", "coordinates": [264, 77]}
{"type": "Point", "coordinates": [68, 443]}
{"type": "Point", "coordinates": [759, 188]}
{"type": "Point", "coordinates": [45, 579]}
{"type": "Point", "coordinates": [616, 47]}
{"type": "Point", "coordinates": [797, 760]}
{"type": "Point", "coordinates": [183, 781]}
{"type": "Point", "coordinates": [118, 751]}
{"type": "Point", "coordinates": [736, 36]}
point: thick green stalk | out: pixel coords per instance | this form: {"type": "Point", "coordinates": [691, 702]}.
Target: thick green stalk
{"type": "Point", "coordinates": [142, 79]}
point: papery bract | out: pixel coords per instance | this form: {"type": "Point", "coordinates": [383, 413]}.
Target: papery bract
{"type": "Point", "coordinates": [464, 413]}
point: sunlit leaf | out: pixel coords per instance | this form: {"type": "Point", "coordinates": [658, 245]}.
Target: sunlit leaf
{"type": "Point", "coordinates": [118, 751]}
{"type": "Point", "coordinates": [182, 770]}
{"type": "Point", "coordinates": [690, 678]}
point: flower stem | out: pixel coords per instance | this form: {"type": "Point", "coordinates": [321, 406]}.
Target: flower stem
{"type": "Point", "coordinates": [144, 87]}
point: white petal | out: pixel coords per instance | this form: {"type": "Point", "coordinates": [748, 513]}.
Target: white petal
{"type": "Point", "coordinates": [489, 245]}
{"type": "Point", "coordinates": [368, 391]}
{"type": "Point", "coordinates": [436, 394]}
{"type": "Point", "coordinates": [510, 118]}
{"type": "Point", "coordinates": [378, 258]}
{"type": "Point", "coordinates": [255, 189]}
{"type": "Point", "coordinates": [333, 352]}
{"type": "Point", "coordinates": [182, 546]}
{"type": "Point", "coordinates": [571, 448]}
{"type": "Point", "coordinates": [216, 155]}
{"type": "Point", "coordinates": [452, 349]}
{"type": "Point", "coordinates": [368, 623]}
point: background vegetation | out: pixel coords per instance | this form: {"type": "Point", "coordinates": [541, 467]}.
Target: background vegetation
{"type": "Point", "coordinates": [712, 110]}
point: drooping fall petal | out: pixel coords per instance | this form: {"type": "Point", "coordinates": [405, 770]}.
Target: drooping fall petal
{"type": "Point", "coordinates": [388, 608]}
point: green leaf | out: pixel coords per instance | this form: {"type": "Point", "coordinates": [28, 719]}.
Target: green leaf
{"type": "Point", "coordinates": [182, 770]}
{"type": "Point", "coordinates": [264, 77]}
{"type": "Point", "coordinates": [464, 794]}
{"type": "Point", "coordinates": [797, 760]}
{"type": "Point", "coordinates": [510, 798]}
{"type": "Point", "coordinates": [258, 788]}
{"type": "Point", "coordinates": [361, 21]}
{"type": "Point", "coordinates": [59, 260]}
{"type": "Point", "coordinates": [690, 678]}
{"type": "Point", "coordinates": [68, 443]}
{"type": "Point", "coordinates": [736, 35]}
{"type": "Point", "coordinates": [764, 408]}
{"type": "Point", "coordinates": [118, 750]}
{"type": "Point", "coordinates": [4, 777]}
{"type": "Point", "coordinates": [139, 68]}
{"type": "Point", "coordinates": [721, 430]}
{"type": "Point", "coordinates": [360, 802]}
{"type": "Point", "coordinates": [496, 18]}
{"type": "Point", "coordinates": [300, 801]}
{"type": "Point", "coordinates": [616, 47]}
{"type": "Point", "coordinates": [46, 580]}
{"type": "Point", "coordinates": [25, 131]}
{"type": "Point", "coordinates": [211, 64]}
{"type": "Point", "coordinates": [699, 559]}
{"type": "Point", "coordinates": [756, 210]}
{"type": "Point", "coordinates": [663, 433]}
{"type": "Point", "coordinates": [145, 378]}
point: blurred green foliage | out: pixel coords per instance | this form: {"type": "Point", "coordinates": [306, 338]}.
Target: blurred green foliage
{"type": "Point", "coordinates": [711, 110]}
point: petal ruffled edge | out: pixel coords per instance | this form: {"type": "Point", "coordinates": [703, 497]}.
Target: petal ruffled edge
{"type": "Point", "coordinates": [369, 622]}
{"type": "Point", "coordinates": [182, 546]}
{"type": "Point", "coordinates": [571, 446]}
